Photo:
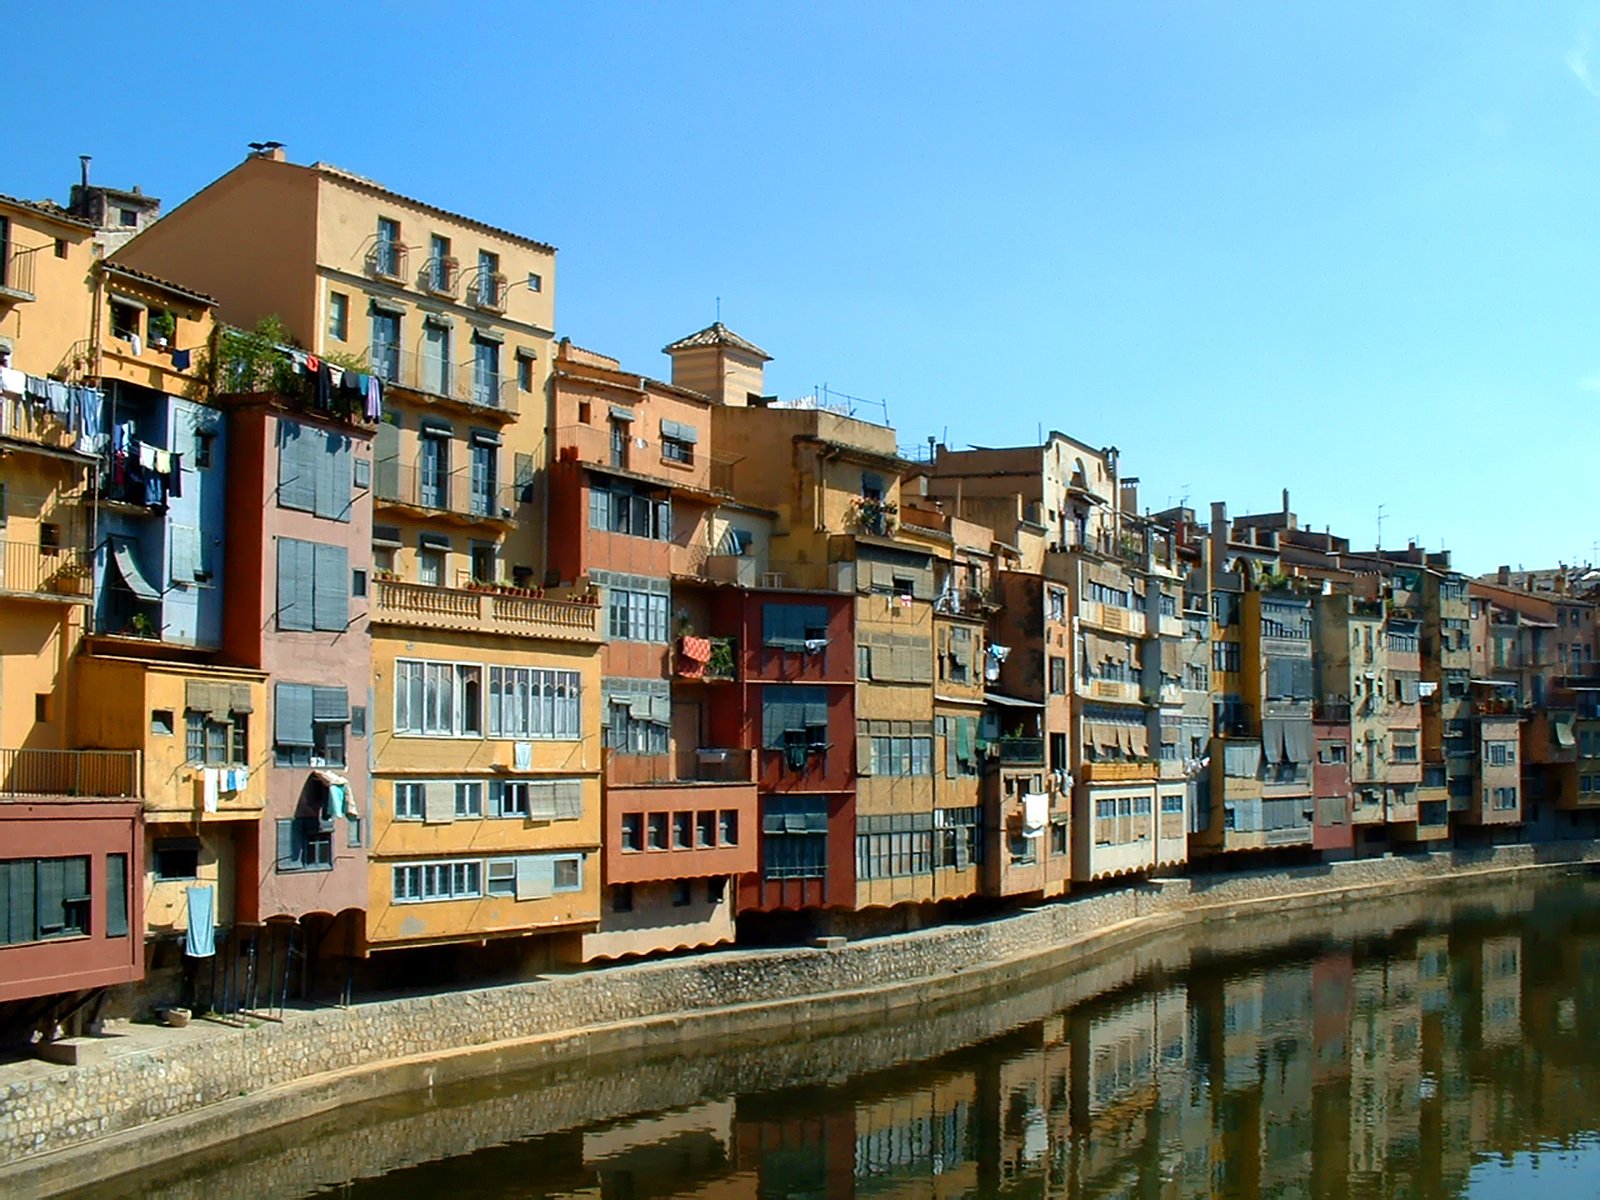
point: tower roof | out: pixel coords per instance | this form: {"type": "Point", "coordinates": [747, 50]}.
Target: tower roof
{"type": "Point", "coordinates": [717, 334]}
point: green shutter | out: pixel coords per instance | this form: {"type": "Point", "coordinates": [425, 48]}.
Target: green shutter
{"type": "Point", "coordinates": [386, 461]}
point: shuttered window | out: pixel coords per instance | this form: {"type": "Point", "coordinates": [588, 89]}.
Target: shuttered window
{"type": "Point", "coordinates": [116, 895]}
{"type": "Point", "coordinates": [789, 710]}
{"type": "Point", "coordinates": [44, 898]}
{"type": "Point", "coordinates": [315, 471]}
{"type": "Point", "coordinates": [313, 586]}
{"type": "Point", "coordinates": [308, 725]}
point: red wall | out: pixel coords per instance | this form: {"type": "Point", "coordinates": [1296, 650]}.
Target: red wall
{"type": "Point", "coordinates": [1331, 779]}
{"type": "Point", "coordinates": [66, 830]}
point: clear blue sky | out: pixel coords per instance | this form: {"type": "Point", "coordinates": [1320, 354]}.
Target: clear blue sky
{"type": "Point", "coordinates": [1346, 248]}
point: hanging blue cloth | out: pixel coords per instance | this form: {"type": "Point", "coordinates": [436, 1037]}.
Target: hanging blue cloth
{"type": "Point", "coordinates": [202, 937]}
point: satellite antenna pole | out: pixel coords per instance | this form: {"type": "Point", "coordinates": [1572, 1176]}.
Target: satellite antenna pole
{"type": "Point", "coordinates": [1381, 509]}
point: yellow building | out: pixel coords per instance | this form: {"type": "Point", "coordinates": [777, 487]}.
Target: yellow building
{"type": "Point", "coordinates": [486, 733]}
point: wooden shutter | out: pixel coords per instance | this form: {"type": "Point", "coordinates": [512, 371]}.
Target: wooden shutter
{"type": "Point", "coordinates": [297, 481]}
{"type": "Point", "coordinates": [296, 568]}
{"type": "Point", "coordinates": [386, 461]}
{"type": "Point", "coordinates": [19, 884]}
{"type": "Point", "coordinates": [535, 877]}
{"type": "Point", "coordinates": [330, 461]}
{"type": "Point", "coordinates": [330, 704]}
{"type": "Point", "coordinates": [438, 803]}
{"type": "Point", "coordinates": [330, 605]}
{"type": "Point", "coordinates": [288, 853]}
{"type": "Point", "coordinates": [291, 723]}
{"type": "Point", "coordinates": [569, 800]}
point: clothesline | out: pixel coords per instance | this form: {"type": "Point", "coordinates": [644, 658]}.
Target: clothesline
{"type": "Point", "coordinates": [32, 401]}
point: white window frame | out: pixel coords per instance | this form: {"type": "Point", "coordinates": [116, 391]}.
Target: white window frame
{"type": "Point", "coordinates": [419, 714]}
{"type": "Point", "coordinates": [542, 703]}
{"type": "Point", "coordinates": [500, 878]}
{"type": "Point", "coordinates": [437, 879]}
{"type": "Point", "coordinates": [408, 800]}
{"type": "Point", "coordinates": [577, 865]}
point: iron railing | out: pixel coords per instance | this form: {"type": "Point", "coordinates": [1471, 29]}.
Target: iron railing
{"type": "Point", "coordinates": [454, 492]}
{"type": "Point", "coordinates": [16, 271]}
{"type": "Point", "coordinates": [83, 774]}
{"type": "Point", "coordinates": [466, 383]}
{"type": "Point", "coordinates": [441, 275]}
{"type": "Point", "coordinates": [388, 260]}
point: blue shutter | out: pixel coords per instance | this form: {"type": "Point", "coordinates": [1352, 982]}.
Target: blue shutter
{"type": "Point", "coordinates": [297, 483]}
{"type": "Point", "coordinates": [386, 461]}
{"type": "Point", "coordinates": [295, 566]}
{"type": "Point", "coordinates": [497, 791]}
{"type": "Point", "coordinates": [330, 605]}
{"type": "Point", "coordinates": [331, 469]}
{"type": "Point", "coordinates": [292, 715]}
{"type": "Point", "coordinates": [330, 704]}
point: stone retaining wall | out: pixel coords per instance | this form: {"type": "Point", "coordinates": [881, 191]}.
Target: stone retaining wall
{"type": "Point", "coordinates": [318, 1060]}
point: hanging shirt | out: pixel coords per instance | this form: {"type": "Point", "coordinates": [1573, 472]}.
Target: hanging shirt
{"type": "Point", "coordinates": [13, 382]}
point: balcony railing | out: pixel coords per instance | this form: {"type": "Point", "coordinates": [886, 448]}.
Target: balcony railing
{"type": "Point", "coordinates": [441, 276]}
{"type": "Point", "coordinates": [397, 603]}
{"type": "Point", "coordinates": [466, 383]}
{"type": "Point", "coordinates": [451, 493]}
{"type": "Point", "coordinates": [1021, 751]}
{"type": "Point", "coordinates": [26, 568]}
{"type": "Point", "coordinates": [705, 764]}
{"type": "Point", "coordinates": [387, 260]}
{"type": "Point", "coordinates": [16, 272]}
{"type": "Point", "coordinates": [488, 291]}
{"type": "Point", "coordinates": [710, 660]}
{"type": "Point", "coordinates": [85, 774]}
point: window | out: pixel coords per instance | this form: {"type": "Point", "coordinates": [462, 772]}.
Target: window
{"type": "Point", "coordinates": [314, 471]}
{"type": "Point", "coordinates": [358, 583]}
{"type": "Point", "coordinates": [794, 842]}
{"type": "Point", "coordinates": [894, 847]}
{"type": "Point", "coordinates": [535, 282]}
{"type": "Point", "coordinates": [716, 889]}
{"type": "Point", "coordinates": [491, 287]}
{"type": "Point", "coordinates": [1058, 838]}
{"type": "Point", "coordinates": [1333, 752]}
{"type": "Point", "coordinates": [627, 732]}
{"type": "Point", "coordinates": [469, 799]}
{"type": "Point", "coordinates": [419, 882]}
{"type": "Point", "coordinates": [633, 831]}
{"type": "Point", "coordinates": [794, 719]}
{"type": "Point", "coordinates": [45, 898]}
{"type": "Point", "coordinates": [309, 725]}
{"type": "Point", "coordinates": [438, 699]}
{"type": "Point", "coordinates": [486, 372]}
{"type": "Point", "coordinates": [791, 626]}
{"type": "Point", "coordinates": [408, 801]}
{"type": "Point", "coordinates": [637, 616]}
{"type": "Point", "coordinates": [304, 845]}
{"type": "Point", "coordinates": [441, 267]}
{"type": "Point", "coordinates": [902, 756]}
{"type": "Point", "coordinates": [430, 566]}
{"type": "Point", "coordinates": [203, 445]}
{"type": "Point", "coordinates": [682, 824]}
{"type": "Point", "coordinates": [1058, 675]}
{"type": "Point", "coordinates": [678, 441]}
{"type": "Point", "coordinates": [728, 827]}
{"type": "Point", "coordinates": [116, 896]}
{"type": "Point", "coordinates": [385, 348]}
{"type": "Point", "coordinates": [501, 877]}
{"type": "Point", "coordinates": [213, 743]}
{"type": "Point", "coordinates": [1501, 754]}
{"type": "Point", "coordinates": [386, 249]}
{"type": "Point", "coordinates": [176, 858]}
{"type": "Point", "coordinates": [618, 508]}
{"type": "Point", "coordinates": [705, 829]}
{"type": "Point", "coordinates": [1172, 804]}
{"type": "Point", "coordinates": [61, 247]}
{"type": "Point", "coordinates": [567, 874]}
{"type": "Point", "coordinates": [682, 893]}
{"type": "Point", "coordinates": [619, 441]}
{"type": "Point", "coordinates": [124, 320]}
{"type": "Point", "coordinates": [1225, 656]}
{"type": "Point", "coordinates": [525, 372]}
{"type": "Point", "coordinates": [339, 316]}
{"type": "Point", "coordinates": [1058, 604]}
{"type": "Point", "coordinates": [658, 831]}
{"type": "Point", "coordinates": [622, 898]}
{"type": "Point", "coordinates": [161, 722]}
{"type": "Point", "coordinates": [1504, 798]}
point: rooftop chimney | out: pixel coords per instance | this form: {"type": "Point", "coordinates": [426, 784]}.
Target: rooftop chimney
{"type": "Point", "coordinates": [1503, 575]}
{"type": "Point", "coordinates": [83, 169]}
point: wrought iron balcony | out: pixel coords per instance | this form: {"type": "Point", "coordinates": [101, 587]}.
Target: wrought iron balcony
{"type": "Point", "coordinates": [16, 273]}
{"type": "Point", "coordinates": [1021, 751]}
{"type": "Point", "coordinates": [81, 774]}
{"type": "Point", "coordinates": [453, 493]}
{"type": "Point", "coordinates": [441, 276]}
{"type": "Point", "coordinates": [433, 377]}
{"type": "Point", "coordinates": [388, 260]}
{"type": "Point", "coordinates": [489, 291]}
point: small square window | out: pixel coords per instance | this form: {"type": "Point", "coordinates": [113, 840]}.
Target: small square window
{"type": "Point", "coordinates": [729, 827]}
{"type": "Point", "coordinates": [176, 858]}
{"type": "Point", "coordinates": [681, 830]}
{"type": "Point", "coordinates": [61, 247]}
{"type": "Point", "coordinates": [363, 472]}
{"type": "Point", "coordinates": [632, 831]}
{"type": "Point", "coordinates": [358, 720]}
{"type": "Point", "coordinates": [658, 831]}
{"type": "Point", "coordinates": [339, 316]}
{"type": "Point", "coordinates": [567, 874]}
{"type": "Point", "coordinates": [128, 218]}
{"type": "Point", "coordinates": [535, 282]}
{"type": "Point", "coordinates": [502, 877]}
{"type": "Point", "coordinates": [124, 320]}
{"type": "Point", "coordinates": [705, 829]}
{"type": "Point", "coordinates": [524, 373]}
{"type": "Point", "coordinates": [41, 706]}
{"type": "Point", "coordinates": [358, 582]}
{"type": "Point", "coordinates": [202, 449]}
{"type": "Point", "coordinates": [161, 722]}
{"type": "Point", "coordinates": [585, 413]}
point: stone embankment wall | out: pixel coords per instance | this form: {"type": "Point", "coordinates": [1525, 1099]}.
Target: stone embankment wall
{"type": "Point", "coordinates": [74, 1125]}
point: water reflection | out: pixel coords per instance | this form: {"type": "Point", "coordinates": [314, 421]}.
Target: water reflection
{"type": "Point", "coordinates": [1393, 1050]}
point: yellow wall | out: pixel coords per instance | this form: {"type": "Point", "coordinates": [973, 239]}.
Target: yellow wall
{"type": "Point", "coordinates": [166, 903]}
{"type": "Point", "coordinates": [50, 332]}
{"type": "Point", "coordinates": [401, 758]}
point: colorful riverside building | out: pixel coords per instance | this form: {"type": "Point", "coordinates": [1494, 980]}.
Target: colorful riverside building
{"type": "Point", "coordinates": [71, 822]}
{"type": "Point", "coordinates": [480, 694]}
{"type": "Point", "coordinates": [638, 510]}
{"type": "Point", "coordinates": [1094, 616]}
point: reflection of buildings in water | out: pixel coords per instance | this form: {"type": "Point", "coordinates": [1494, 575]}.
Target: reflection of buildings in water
{"type": "Point", "coordinates": [646, 1157]}
{"type": "Point", "coordinates": [1385, 1066]}
{"type": "Point", "coordinates": [1288, 1068]}
{"type": "Point", "coordinates": [1033, 1107]}
{"type": "Point", "coordinates": [1500, 972]}
{"type": "Point", "coordinates": [1114, 1092]}
{"type": "Point", "coordinates": [920, 1143]}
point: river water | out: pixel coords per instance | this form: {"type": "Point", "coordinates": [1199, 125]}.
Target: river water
{"type": "Point", "coordinates": [1439, 1044]}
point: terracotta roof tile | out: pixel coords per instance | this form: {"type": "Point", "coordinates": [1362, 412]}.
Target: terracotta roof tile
{"type": "Point", "coordinates": [717, 334]}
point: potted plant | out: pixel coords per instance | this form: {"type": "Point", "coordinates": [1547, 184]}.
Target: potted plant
{"type": "Point", "coordinates": [163, 328]}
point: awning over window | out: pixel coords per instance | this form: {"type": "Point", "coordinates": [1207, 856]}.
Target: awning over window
{"type": "Point", "coordinates": [1010, 701]}
{"type": "Point", "coordinates": [128, 568]}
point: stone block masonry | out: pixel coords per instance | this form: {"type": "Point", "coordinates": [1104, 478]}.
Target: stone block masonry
{"type": "Point", "coordinates": [64, 1127]}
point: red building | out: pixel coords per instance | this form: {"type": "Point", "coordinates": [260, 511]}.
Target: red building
{"type": "Point", "coordinates": [71, 917]}
{"type": "Point", "coordinates": [1330, 779]}
{"type": "Point", "coordinates": [631, 506]}
{"type": "Point", "coordinates": [299, 536]}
